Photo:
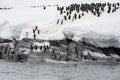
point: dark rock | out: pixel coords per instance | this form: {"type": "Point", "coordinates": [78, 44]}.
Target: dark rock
{"type": "Point", "coordinates": [66, 50]}
{"type": "Point", "coordinates": [5, 40]}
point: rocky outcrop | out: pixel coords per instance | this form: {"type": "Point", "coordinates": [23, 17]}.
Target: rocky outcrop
{"type": "Point", "coordinates": [65, 50]}
{"type": "Point", "coordinates": [5, 40]}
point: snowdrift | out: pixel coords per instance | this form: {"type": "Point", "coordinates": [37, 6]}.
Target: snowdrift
{"type": "Point", "coordinates": [100, 32]}
{"type": "Point", "coordinates": [93, 38]}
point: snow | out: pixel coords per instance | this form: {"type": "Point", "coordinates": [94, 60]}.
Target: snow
{"type": "Point", "coordinates": [5, 31]}
{"type": "Point", "coordinates": [101, 32]}
{"type": "Point", "coordinates": [96, 55]}
{"type": "Point", "coordinates": [93, 38]}
{"type": "Point", "coordinates": [24, 51]}
{"type": "Point", "coordinates": [58, 71]}
{"type": "Point", "coordinates": [42, 43]}
{"type": "Point", "coordinates": [54, 61]}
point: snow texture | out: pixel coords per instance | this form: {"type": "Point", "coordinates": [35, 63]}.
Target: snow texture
{"type": "Point", "coordinates": [59, 71]}
{"type": "Point", "coordinates": [101, 32]}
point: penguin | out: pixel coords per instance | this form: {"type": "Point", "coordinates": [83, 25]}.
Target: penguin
{"type": "Point", "coordinates": [41, 47]}
{"type": "Point", "coordinates": [73, 18]}
{"type": "Point", "coordinates": [44, 7]}
{"type": "Point", "coordinates": [47, 47]}
{"type": "Point", "coordinates": [98, 15]}
{"type": "Point", "coordinates": [36, 47]}
{"type": "Point", "coordinates": [65, 18]}
{"type": "Point", "coordinates": [26, 34]}
{"type": "Point", "coordinates": [75, 15]}
{"type": "Point", "coordinates": [67, 13]}
{"type": "Point", "coordinates": [33, 31]}
{"type": "Point", "coordinates": [79, 16]}
{"type": "Point", "coordinates": [53, 51]}
{"type": "Point", "coordinates": [34, 36]}
{"type": "Point", "coordinates": [82, 14]}
{"type": "Point", "coordinates": [94, 13]}
{"type": "Point", "coordinates": [36, 28]}
{"type": "Point", "coordinates": [61, 22]}
{"type": "Point", "coordinates": [118, 4]}
{"type": "Point", "coordinates": [109, 8]}
{"type": "Point", "coordinates": [69, 17]}
{"type": "Point", "coordinates": [31, 47]}
{"type": "Point", "coordinates": [58, 21]}
{"type": "Point", "coordinates": [58, 8]}
{"type": "Point", "coordinates": [38, 31]}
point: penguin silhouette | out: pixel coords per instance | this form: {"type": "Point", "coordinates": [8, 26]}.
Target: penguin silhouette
{"type": "Point", "coordinates": [58, 21]}
{"type": "Point", "coordinates": [38, 31]}
{"type": "Point", "coordinates": [62, 22]}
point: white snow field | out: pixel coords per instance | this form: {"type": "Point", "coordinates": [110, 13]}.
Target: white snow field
{"type": "Point", "coordinates": [59, 71]}
{"type": "Point", "coordinates": [101, 32]}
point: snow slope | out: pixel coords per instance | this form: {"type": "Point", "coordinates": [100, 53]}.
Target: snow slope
{"type": "Point", "coordinates": [22, 18]}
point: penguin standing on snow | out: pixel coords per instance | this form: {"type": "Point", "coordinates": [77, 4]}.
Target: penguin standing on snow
{"type": "Point", "coordinates": [65, 17]}
{"type": "Point", "coordinates": [69, 17]}
{"type": "Point", "coordinates": [73, 18]}
{"type": "Point", "coordinates": [82, 14]}
{"type": "Point", "coordinates": [44, 7]}
{"type": "Point", "coordinates": [38, 31]}
{"type": "Point", "coordinates": [26, 34]}
{"type": "Point", "coordinates": [53, 51]}
{"type": "Point", "coordinates": [75, 15]}
{"type": "Point", "coordinates": [67, 13]}
{"type": "Point", "coordinates": [33, 31]}
{"type": "Point", "coordinates": [58, 21]}
{"type": "Point", "coordinates": [61, 22]}
{"type": "Point", "coordinates": [36, 47]}
{"type": "Point", "coordinates": [36, 28]}
{"type": "Point", "coordinates": [41, 47]}
{"type": "Point", "coordinates": [79, 16]}
{"type": "Point", "coordinates": [47, 47]}
{"type": "Point", "coordinates": [34, 36]}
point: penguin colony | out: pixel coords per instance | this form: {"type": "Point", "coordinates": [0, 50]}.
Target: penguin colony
{"type": "Point", "coordinates": [77, 11]}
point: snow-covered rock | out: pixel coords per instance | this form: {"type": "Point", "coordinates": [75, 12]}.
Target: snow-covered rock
{"type": "Point", "coordinates": [92, 38]}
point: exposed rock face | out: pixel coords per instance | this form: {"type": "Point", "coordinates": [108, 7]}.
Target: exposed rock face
{"type": "Point", "coordinates": [66, 50]}
{"type": "Point", "coordinates": [5, 40]}
{"type": "Point", "coordinates": [22, 50]}
{"type": "Point", "coordinates": [75, 50]}
{"type": "Point", "coordinates": [5, 48]}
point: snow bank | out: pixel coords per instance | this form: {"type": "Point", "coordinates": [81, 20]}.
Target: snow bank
{"type": "Point", "coordinates": [100, 32]}
{"type": "Point", "coordinates": [96, 55]}
{"type": "Point", "coordinates": [93, 38]}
